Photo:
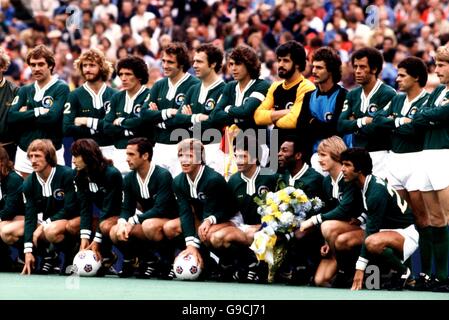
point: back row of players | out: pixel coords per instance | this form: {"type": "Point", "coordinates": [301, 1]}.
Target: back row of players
{"type": "Point", "coordinates": [395, 129]}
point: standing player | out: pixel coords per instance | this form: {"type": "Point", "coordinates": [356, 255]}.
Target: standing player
{"type": "Point", "coordinates": [201, 100]}
{"type": "Point", "coordinates": [37, 108]}
{"type": "Point", "coordinates": [11, 209]}
{"type": "Point", "coordinates": [390, 232]}
{"type": "Point", "coordinates": [433, 118]}
{"type": "Point", "coordinates": [51, 211]}
{"type": "Point", "coordinates": [99, 184]}
{"type": "Point", "coordinates": [167, 96]}
{"type": "Point", "coordinates": [149, 188]}
{"type": "Point", "coordinates": [363, 103]}
{"type": "Point", "coordinates": [406, 145]}
{"type": "Point", "coordinates": [87, 105]}
{"type": "Point", "coordinates": [123, 121]}
{"type": "Point", "coordinates": [283, 104]}
{"type": "Point", "coordinates": [326, 102]}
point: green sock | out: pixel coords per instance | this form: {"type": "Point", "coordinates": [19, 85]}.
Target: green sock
{"type": "Point", "coordinates": [392, 259]}
{"type": "Point", "coordinates": [426, 249]}
{"type": "Point", "coordinates": [441, 251]}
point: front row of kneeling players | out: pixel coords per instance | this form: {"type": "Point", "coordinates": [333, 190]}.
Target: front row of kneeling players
{"type": "Point", "coordinates": [194, 213]}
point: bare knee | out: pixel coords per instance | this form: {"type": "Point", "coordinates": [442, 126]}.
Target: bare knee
{"type": "Point", "coordinates": [171, 229]}
{"type": "Point", "coordinates": [329, 229]}
{"type": "Point", "coordinates": [374, 245]}
{"type": "Point", "coordinates": [53, 234]}
{"type": "Point", "coordinates": [8, 237]}
{"type": "Point", "coordinates": [216, 239]}
{"type": "Point", "coordinates": [152, 230]}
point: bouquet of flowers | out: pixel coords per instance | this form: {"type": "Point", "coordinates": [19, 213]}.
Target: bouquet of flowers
{"type": "Point", "coordinates": [282, 213]}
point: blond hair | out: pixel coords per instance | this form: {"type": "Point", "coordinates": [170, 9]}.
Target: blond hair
{"type": "Point", "coordinates": [334, 146]}
{"type": "Point", "coordinates": [195, 146]}
{"type": "Point", "coordinates": [47, 147]}
{"type": "Point", "coordinates": [99, 58]}
{"type": "Point", "coordinates": [443, 54]}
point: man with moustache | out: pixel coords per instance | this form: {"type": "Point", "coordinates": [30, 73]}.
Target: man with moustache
{"type": "Point", "coordinates": [87, 105]}
{"type": "Point", "coordinates": [37, 108]}
{"type": "Point", "coordinates": [284, 100]}
{"type": "Point", "coordinates": [362, 104]}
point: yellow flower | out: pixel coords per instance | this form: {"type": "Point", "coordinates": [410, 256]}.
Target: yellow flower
{"type": "Point", "coordinates": [267, 218]}
{"type": "Point", "coordinates": [302, 198]}
{"type": "Point", "coordinates": [274, 207]}
{"type": "Point", "coordinates": [277, 214]}
{"type": "Point", "coordinates": [269, 201]}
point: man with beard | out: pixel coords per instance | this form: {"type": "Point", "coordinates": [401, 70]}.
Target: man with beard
{"type": "Point", "coordinates": [323, 106]}
{"type": "Point", "coordinates": [87, 105]}
{"type": "Point", "coordinates": [363, 103]}
{"type": "Point", "coordinates": [37, 108]}
{"type": "Point", "coordinates": [283, 102]}
{"type": "Point", "coordinates": [166, 97]}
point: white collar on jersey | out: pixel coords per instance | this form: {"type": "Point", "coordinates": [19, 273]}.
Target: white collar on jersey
{"type": "Point", "coordinates": [97, 99]}
{"type": "Point", "coordinates": [365, 100]}
{"type": "Point", "coordinates": [240, 94]}
{"type": "Point", "coordinates": [46, 185]}
{"type": "Point", "coordinates": [143, 184]}
{"type": "Point", "coordinates": [129, 102]}
{"type": "Point", "coordinates": [251, 182]}
{"type": "Point", "coordinates": [39, 92]}
{"type": "Point", "coordinates": [194, 184]}
{"type": "Point", "coordinates": [408, 104]}
{"type": "Point", "coordinates": [173, 87]}
{"type": "Point", "coordinates": [365, 187]}
{"type": "Point", "coordinates": [335, 187]}
{"type": "Point", "coordinates": [291, 180]}
{"type": "Point", "coordinates": [205, 91]}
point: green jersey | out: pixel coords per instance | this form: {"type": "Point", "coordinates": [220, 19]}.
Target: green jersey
{"type": "Point", "coordinates": [166, 95]}
{"type": "Point", "coordinates": [54, 199]}
{"type": "Point", "coordinates": [42, 118]}
{"type": "Point", "coordinates": [384, 207]}
{"type": "Point", "coordinates": [356, 107]}
{"type": "Point", "coordinates": [8, 91]}
{"type": "Point", "coordinates": [405, 137]}
{"type": "Point", "coordinates": [102, 189]}
{"type": "Point", "coordinates": [127, 110]}
{"type": "Point", "coordinates": [307, 179]}
{"type": "Point", "coordinates": [11, 199]}
{"type": "Point", "coordinates": [83, 102]}
{"type": "Point", "coordinates": [238, 107]}
{"type": "Point", "coordinates": [245, 189]}
{"type": "Point", "coordinates": [342, 199]}
{"type": "Point", "coordinates": [434, 118]}
{"type": "Point", "coordinates": [154, 195]}
{"type": "Point", "coordinates": [201, 100]}
{"type": "Point", "coordinates": [207, 197]}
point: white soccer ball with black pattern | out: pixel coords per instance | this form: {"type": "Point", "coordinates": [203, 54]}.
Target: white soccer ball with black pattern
{"type": "Point", "coordinates": [186, 268]}
{"type": "Point", "coordinates": [86, 263]}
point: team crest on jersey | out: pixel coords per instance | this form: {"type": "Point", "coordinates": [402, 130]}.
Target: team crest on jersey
{"type": "Point", "coordinates": [180, 98]}
{"type": "Point", "coordinates": [58, 194]}
{"type": "Point", "coordinates": [47, 102]}
{"type": "Point", "coordinates": [202, 196]}
{"type": "Point", "coordinates": [328, 116]}
{"type": "Point", "coordinates": [289, 105]}
{"type": "Point", "coordinates": [262, 190]}
{"type": "Point", "coordinates": [16, 99]}
{"type": "Point", "coordinates": [107, 106]}
{"type": "Point", "coordinates": [136, 109]}
{"type": "Point", "coordinates": [412, 112]}
{"type": "Point", "coordinates": [210, 104]}
{"type": "Point", "coordinates": [244, 100]}
{"type": "Point", "coordinates": [372, 109]}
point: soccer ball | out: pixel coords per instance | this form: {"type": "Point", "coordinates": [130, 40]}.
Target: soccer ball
{"type": "Point", "coordinates": [186, 268]}
{"type": "Point", "coordinates": [86, 264]}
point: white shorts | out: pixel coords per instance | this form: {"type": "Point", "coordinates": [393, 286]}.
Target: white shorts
{"type": "Point", "coordinates": [380, 159]}
{"type": "Point", "coordinates": [314, 162]}
{"type": "Point", "coordinates": [411, 239]}
{"type": "Point", "coordinates": [435, 171]}
{"type": "Point", "coordinates": [166, 156]}
{"type": "Point", "coordinates": [23, 164]}
{"type": "Point", "coordinates": [237, 220]}
{"type": "Point", "coordinates": [215, 157]}
{"type": "Point", "coordinates": [404, 171]}
{"type": "Point", "coordinates": [119, 158]}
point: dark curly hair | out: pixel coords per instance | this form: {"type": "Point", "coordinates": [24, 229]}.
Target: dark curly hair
{"type": "Point", "coordinates": [246, 55]}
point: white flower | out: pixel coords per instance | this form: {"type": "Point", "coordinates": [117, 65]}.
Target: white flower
{"type": "Point", "coordinates": [283, 207]}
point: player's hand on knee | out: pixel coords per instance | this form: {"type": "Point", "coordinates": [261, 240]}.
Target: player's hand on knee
{"type": "Point", "coordinates": [324, 250]}
{"type": "Point", "coordinates": [203, 229]}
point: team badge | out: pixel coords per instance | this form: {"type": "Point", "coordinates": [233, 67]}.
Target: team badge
{"type": "Point", "coordinates": [262, 190]}
{"type": "Point", "coordinates": [289, 105]}
{"type": "Point", "coordinates": [16, 99]}
{"type": "Point", "coordinates": [244, 100]}
{"type": "Point", "coordinates": [412, 112]}
{"type": "Point", "coordinates": [328, 116]}
{"type": "Point", "coordinates": [372, 109]}
{"type": "Point", "coordinates": [210, 104]}
{"type": "Point", "coordinates": [58, 194]}
{"type": "Point", "coordinates": [202, 196]}
{"type": "Point", "coordinates": [47, 102]}
{"type": "Point", "coordinates": [107, 106]}
{"type": "Point", "coordinates": [136, 109]}
{"type": "Point", "coordinates": [180, 98]}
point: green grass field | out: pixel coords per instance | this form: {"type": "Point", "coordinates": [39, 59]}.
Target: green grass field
{"type": "Point", "coordinates": [37, 287]}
